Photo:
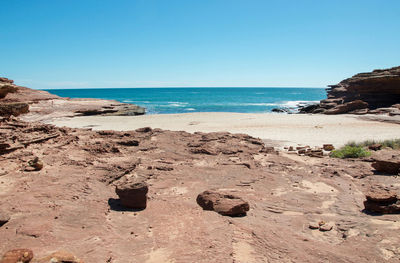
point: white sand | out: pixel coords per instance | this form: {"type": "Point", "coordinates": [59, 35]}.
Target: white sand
{"type": "Point", "coordinates": [282, 129]}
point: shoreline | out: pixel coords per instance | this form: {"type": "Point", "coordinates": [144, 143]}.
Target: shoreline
{"type": "Point", "coordinates": [275, 129]}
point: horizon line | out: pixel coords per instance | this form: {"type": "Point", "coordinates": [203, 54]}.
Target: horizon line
{"type": "Point", "coordinates": [199, 87]}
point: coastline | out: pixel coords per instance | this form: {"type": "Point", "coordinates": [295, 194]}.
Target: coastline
{"type": "Point", "coordinates": [275, 129]}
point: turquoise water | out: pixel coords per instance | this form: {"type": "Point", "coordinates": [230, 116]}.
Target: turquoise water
{"type": "Point", "coordinates": [184, 100]}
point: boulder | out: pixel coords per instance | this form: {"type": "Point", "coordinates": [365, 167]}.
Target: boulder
{"type": "Point", "coordinates": [224, 204]}
{"type": "Point", "coordinates": [59, 257]}
{"type": "Point", "coordinates": [382, 201]}
{"type": "Point", "coordinates": [13, 109]}
{"type": "Point", "coordinates": [17, 256]}
{"type": "Point", "coordinates": [133, 194]}
{"type": "Point", "coordinates": [387, 166]}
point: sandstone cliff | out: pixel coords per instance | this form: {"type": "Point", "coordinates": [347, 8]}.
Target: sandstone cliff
{"type": "Point", "coordinates": [373, 92]}
{"type": "Point", "coordinates": [41, 105]}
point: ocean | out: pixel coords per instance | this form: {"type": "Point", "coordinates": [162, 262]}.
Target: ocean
{"type": "Point", "coordinates": [184, 100]}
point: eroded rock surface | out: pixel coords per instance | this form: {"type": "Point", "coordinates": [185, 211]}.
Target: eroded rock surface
{"type": "Point", "coordinates": [376, 92]}
{"type": "Point", "coordinates": [70, 203]}
{"type": "Point", "coordinates": [38, 105]}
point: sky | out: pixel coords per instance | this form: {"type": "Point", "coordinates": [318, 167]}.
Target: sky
{"type": "Point", "coordinates": [48, 44]}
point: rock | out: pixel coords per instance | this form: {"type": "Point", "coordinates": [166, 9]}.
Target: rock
{"type": "Point", "coordinates": [328, 147]}
{"type": "Point", "coordinates": [60, 257]}
{"type": "Point", "coordinates": [313, 225]}
{"type": "Point", "coordinates": [347, 107]}
{"type": "Point", "coordinates": [224, 204]}
{"type": "Point", "coordinates": [6, 80]}
{"type": "Point", "coordinates": [375, 147]}
{"type": "Point", "coordinates": [36, 164]}
{"type": "Point", "coordinates": [382, 201]}
{"type": "Point", "coordinates": [281, 110]}
{"type": "Point", "coordinates": [144, 129]}
{"type": "Point", "coordinates": [129, 143]}
{"type": "Point", "coordinates": [326, 227]}
{"type": "Point", "coordinates": [309, 108]}
{"type": "Point", "coordinates": [133, 194]}
{"type": "Point", "coordinates": [4, 218]}
{"type": "Point", "coordinates": [387, 166]}
{"type": "Point", "coordinates": [5, 89]}
{"type": "Point", "coordinates": [13, 109]}
{"type": "Point", "coordinates": [17, 256]}
{"type": "Point", "coordinates": [372, 92]}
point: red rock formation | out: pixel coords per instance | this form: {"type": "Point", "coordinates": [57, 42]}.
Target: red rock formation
{"type": "Point", "coordinates": [372, 90]}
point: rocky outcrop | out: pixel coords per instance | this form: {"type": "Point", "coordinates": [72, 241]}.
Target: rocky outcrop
{"type": "Point", "coordinates": [13, 109]}
{"type": "Point", "coordinates": [382, 201]}
{"type": "Point", "coordinates": [41, 105]}
{"type": "Point", "coordinates": [387, 162]}
{"type": "Point", "coordinates": [373, 92]}
{"type": "Point", "coordinates": [224, 204]}
{"type": "Point", "coordinates": [133, 194]}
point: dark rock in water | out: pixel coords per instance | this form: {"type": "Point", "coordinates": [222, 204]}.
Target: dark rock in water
{"type": "Point", "coordinates": [224, 204]}
{"type": "Point", "coordinates": [308, 108]}
{"type": "Point", "coordinates": [280, 110]}
{"type": "Point", "coordinates": [363, 93]}
{"type": "Point", "coordinates": [17, 256]}
{"type": "Point", "coordinates": [13, 109]}
{"type": "Point", "coordinates": [133, 194]}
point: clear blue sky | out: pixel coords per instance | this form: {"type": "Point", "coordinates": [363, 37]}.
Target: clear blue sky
{"type": "Point", "coordinates": [98, 43]}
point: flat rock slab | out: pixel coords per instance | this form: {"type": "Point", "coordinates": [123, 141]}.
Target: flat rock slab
{"type": "Point", "coordinates": [224, 204]}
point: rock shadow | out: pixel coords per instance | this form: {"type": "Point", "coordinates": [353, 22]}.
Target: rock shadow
{"type": "Point", "coordinates": [116, 205]}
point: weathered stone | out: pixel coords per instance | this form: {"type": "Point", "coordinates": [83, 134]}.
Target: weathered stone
{"type": "Point", "coordinates": [375, 147]}
{"type": "Point", "coordinates": [36, 164]}
{"type": "Point", "coordinates": [133, 194]}
{"type": "Point", "coordinates": [60, 257]}
{"type": "Point", "coordinates": [382, 201]}
{"type": "Point", "coordinates": [373, 92]}
{"type": "Point", "coordinates": [13, 108]}
{"type": "Point", "coordinates": [5, 89]}
{"type": "Point", "coordinates": [129, 143]}
{"type": "Point", "coordinates": [224, 204]}
{"type": "Point", "coordinates": [144, 129]}
{"type": "Point", "coordinates": [326, 227]}
{"type": "Point", "coordinates": [17, 256]}
{"type": "Point", "coordinates": [328, 147]}
{"type": "Point", "coordinates": [347, 107]}
{"type": "Point", "coordinates": [387, 166]}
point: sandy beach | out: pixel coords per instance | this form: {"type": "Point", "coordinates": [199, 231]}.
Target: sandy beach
{"type": "Point", "coordinates": [274, 129]}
